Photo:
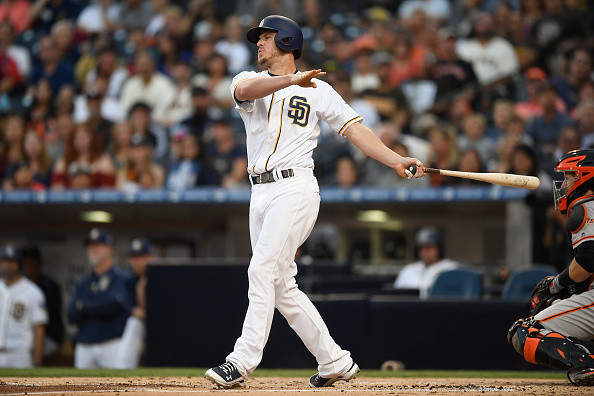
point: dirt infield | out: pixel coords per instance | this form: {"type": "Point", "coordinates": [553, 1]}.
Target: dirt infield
{"type": "Point", "coordinates": [291, 386]}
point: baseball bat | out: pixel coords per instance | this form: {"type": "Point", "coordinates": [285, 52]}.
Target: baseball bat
{"type": "Point", "coordinates": [504, 179]}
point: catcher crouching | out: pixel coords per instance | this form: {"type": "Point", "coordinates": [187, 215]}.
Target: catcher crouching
{"type": "Point", "coordinates": [560, 331]}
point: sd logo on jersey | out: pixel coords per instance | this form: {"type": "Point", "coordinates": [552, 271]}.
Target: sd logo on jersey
{"type": "Point", "coordinates": [18, 311]}
{"type": "Point", "coordinates": [300, 110]}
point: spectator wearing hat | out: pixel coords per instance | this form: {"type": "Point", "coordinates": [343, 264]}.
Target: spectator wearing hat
{"type": "Point", "coordinates": [23, 315]}
{"type": "Point", "coordinates": [200, 118]}
{"type": "Point", "coordinates": [148, 85]}
{"type": "Point", "coordinates": [191, 170]}
{"type": "Point", "coordinates": [140, 171]}
{"type": "Point", "coordinates": [421, 274]}
{"type": "Point", "coordinates": [141, 122]}
{"type": "Point", "coordinates": [32, 269]}
{"type": "Point", "coordinates": [141, 255]}
{"type": "Point", "coordinates": [535, 78]}
{"type": "Point", "coordinates": [390, 102]}
{"type": "Point", "coordinates": [99, 306]}
{"type": "Point", "coordinates": [228, 157]}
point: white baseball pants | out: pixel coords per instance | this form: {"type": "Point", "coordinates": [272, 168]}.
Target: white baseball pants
{"type": "Point", "coordinates": [132, 343]}
{"type": "Point", "coordinates": [282, 215]}
{"type": "Point", "coordinates": [97, 355]}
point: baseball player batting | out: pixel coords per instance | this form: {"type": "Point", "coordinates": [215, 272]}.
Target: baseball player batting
{"type": "Point", "coordinates": [560, 331]}
{"type": "Point", "coordinates": [282, 109]}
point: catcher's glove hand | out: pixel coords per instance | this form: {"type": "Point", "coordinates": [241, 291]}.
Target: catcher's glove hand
{"type": "Point", "coordinates": [541, 296]}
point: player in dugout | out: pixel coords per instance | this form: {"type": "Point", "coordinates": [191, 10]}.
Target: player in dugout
{"type": "Point", "coordinates": [560, 331]}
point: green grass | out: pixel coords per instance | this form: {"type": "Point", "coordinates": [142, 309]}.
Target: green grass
{"type": "Point", "coordinates": [199, 372]}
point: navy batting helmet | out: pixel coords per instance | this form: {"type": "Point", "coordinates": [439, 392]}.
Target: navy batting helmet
{"type": "Point", "coordinates": [288, 34]}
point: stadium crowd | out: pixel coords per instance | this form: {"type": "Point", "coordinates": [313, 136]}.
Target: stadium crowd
{"type": "Point", "coordinates": [135, 94]}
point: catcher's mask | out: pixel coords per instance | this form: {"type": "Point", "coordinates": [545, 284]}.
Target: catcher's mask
{"type": "Point", "coordinates": [578, 171]}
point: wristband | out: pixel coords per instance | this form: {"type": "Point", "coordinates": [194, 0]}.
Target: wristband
{"type": "Point", "coordinates": [560, 282]}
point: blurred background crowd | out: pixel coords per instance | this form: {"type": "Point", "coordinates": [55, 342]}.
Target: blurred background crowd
{"type": "Point", "coordinates": [134, 94]}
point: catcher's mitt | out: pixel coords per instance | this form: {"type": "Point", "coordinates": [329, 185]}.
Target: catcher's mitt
{"type": "Point", "coordinates": [541, 296]}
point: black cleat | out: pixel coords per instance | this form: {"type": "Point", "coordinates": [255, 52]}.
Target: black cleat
{"type": "Point", "coordinates": [582, 376]}
{"type": "Point", "coordinates": [317, 381]}
{"type": "Point", "coordinates": [225, 375]}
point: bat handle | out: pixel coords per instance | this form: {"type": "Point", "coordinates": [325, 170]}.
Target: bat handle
{"type": "Point", "coordinates": [432, 170]}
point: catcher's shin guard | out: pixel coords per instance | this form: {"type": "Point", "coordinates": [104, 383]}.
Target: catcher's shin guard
{"type": "Point", "coordinates": [541, 346]}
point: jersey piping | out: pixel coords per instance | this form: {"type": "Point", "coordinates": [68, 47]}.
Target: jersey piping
{"type": "Point", "coordinates": [349, 122]}
{"type": "Point", "coordinates": [279, 133]}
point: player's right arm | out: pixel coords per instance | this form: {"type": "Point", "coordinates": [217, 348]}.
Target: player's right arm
{"type": "Point", "coordinates": [260, 87]}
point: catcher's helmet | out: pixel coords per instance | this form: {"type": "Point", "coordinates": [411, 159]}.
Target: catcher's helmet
{"type": "Point", "coordinates": [288, 33]}
{"type": "Point", "coordinates": [578, 169]}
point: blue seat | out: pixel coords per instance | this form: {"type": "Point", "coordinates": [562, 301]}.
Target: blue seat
{"type": "Point", "coordinates": [520, 283]}
{"type": "Point", "coordinates": [463, 283]}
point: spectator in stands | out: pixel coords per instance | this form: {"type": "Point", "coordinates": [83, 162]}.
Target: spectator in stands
{"type": "Point", "coordinates": [141, 122]}
{"type": "Point", "coordinates": [17, 13]}
{"type": "Point", "coordinates": [168, 54]}
{"type": "Point", "coordinates": [473, 138]}
{"type": "Point", "coordinates": [140, 171]}
{"type": "Point", "coordinates": [141, 255]}
{"type": "Point", "coordinates": [191, 170]}
{"type": "Point", "coordinates": [20, 177]}
{"type": "Point", "coordinates": [503, 113]}
{"type": "Point", "coordinates": [11, 150]}
{"type": "Point", "coordinates": [436, 9]}
{"type": "Point", "coordinates": [36, 157]}
{"type": "Point", "coordinates": [42, 108]}
{"type": "Point", "coordinates": [147, 86]}
{"type": "Point", "coordinates": [532, 107]}
{"type": "Point", "coordinates": [493, 58]}
{"type": "Point", "coordinates": [233, 46]}
{"type": "Point", "coordinates": [100, 16]}
{"type": "Point", "coordinates": [364, 76]}
{"type": "Point", "coordinates": [406, 63]}
{"type": "Point", "coordinates": [200, 118]}
{"type": "Point", "coordinates": [579, 69]}
{"type": "Point", "coordinates": [10, 79]}
{"type": "Point", "coordinates": [55, 137]}
{"type": "Point", "coordinates": [19, 54]}
{"type": "Point", "coordinates": [346, 174]}
{"type": "Point", "coordinates": [45, 13]}
{"type": "Point", "coordinates": [99, 306]}
{"type": "Point", "coordinates": [80, 176]}
{"type": "Point", "coordinates": [23, 316]}
{"type": "Point", "coordinates": [136, 14]}
{"type": "Point", "coordinates": [421, 274]}
{"type": "Point", "coordinates": [470, 161]}
{"type": "Point", "coordinates": [443, 153]}
{"type": "Point", "coordinates": [157, 22]}
{"type": "Point", "coordinates": [100, 126]}
{"type": "Point", "coordinates": [54, 330]}
{"type": "Point", "coordinates": [63, 35]}
{"type": "Point", "coordinates": [544, 129]}
{"type": "Point", "coordinates": [49, 65]}
{"type": "Point", "coordinates": [569, 140]}
{"type": "Point", "coordinates": [180, 105]}
{"type": "Point", "coordinates": [390, 102]}
{"type": "Point", "coordinates": [228, 158]}
{"type": "Point", "coordinates": [586, 123]}
{"type": "Point", "coordinates": [180, 25]}
{"type": "Point", "coordinates": [82, 148]}
{"type": "Point", "coordinates": [453, 76]}
{"type": "Point", "coordinates": [216, 81]}
{"type": "Point", "coordinates": [114, 73]}
{"type": "Point", "coordinates": [121, 134]}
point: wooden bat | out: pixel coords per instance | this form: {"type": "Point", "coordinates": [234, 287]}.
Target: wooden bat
{"type": "Point", "coordinates": [504, 179]}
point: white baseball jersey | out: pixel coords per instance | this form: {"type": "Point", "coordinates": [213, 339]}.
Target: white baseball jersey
{"type": "Point", "coordinates": [22, 307]}
{"type": "Point", "coordinates": [282, 128]}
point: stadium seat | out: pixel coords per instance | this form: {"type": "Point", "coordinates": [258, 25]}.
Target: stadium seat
{"type": "Point", "coordinates": [520, 283]}
{"type": "Point", "coordinates": [463, 283]}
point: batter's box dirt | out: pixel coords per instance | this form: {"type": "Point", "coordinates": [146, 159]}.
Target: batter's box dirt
{"type": "Point", "coordinates": [290, 386]}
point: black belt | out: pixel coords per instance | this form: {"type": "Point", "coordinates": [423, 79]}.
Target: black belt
{"type": "Point", "coordinates": [268, 177]}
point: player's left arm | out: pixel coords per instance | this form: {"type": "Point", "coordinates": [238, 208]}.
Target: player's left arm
{"type": "Point", "coordinates": [39, 338]}
{"type": "Point", "coordinates": [368, 142]}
